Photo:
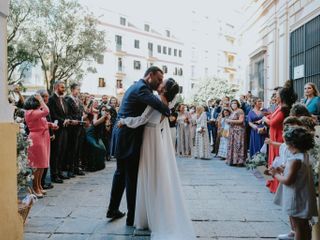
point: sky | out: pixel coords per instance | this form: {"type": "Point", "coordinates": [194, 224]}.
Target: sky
{"type": "Point", "coordinates": [170, 13]}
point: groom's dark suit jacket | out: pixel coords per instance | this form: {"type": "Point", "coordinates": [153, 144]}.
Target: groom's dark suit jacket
{"type": "Point", "coordinates": [126, 142]}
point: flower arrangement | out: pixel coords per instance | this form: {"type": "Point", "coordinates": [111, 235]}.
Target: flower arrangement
{"type": "Point", "coordinates": [24, 172]}
{"type": "Point", "coordinates": [259, 159]}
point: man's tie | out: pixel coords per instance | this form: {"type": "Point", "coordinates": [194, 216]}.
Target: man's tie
{"type": "Point", "coordinates": [61, 102]}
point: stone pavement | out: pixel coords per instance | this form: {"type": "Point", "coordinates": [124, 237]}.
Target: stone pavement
{"type": "Point", "coordinates": [224, 203]}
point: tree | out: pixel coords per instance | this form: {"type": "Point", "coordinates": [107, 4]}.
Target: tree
{"type": "Point", "coordinates": [65, 39]}
{"type": "Point", "coordinates": [20, 58]}
{"type": "Point", "coordinates": [213, 88]}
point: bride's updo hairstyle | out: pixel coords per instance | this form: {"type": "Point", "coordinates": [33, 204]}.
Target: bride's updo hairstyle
{"type": "Point", "coordinates": [171, 89]}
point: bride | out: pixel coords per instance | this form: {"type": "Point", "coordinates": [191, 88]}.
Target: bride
{"type": "Point", "coordinates": [160, 204]}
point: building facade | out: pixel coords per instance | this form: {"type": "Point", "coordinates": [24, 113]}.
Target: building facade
{"type": "Point", "coordinates": [132, 47]}
{"type": "Point", "coordinates": [211, 48]}
{"type": "Point", "coordinates": [279, 41]}
{"type": "Point", "coordinates": [227, 53]}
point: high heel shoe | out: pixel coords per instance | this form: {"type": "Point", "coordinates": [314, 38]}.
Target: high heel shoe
{"type": "Point", "coordinates": [44, 192]}
{"type": "Point", "coordinates": [38, 195]}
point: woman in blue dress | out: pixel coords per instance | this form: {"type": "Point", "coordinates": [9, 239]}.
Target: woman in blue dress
{"type": "Point", "coordinates": [257, 132]}
{"type": "Point", "coordinates": [312, 99]}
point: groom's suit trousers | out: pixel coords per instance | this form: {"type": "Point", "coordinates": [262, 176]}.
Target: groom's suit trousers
{"type": "Point", "coordinates": [125, 177]}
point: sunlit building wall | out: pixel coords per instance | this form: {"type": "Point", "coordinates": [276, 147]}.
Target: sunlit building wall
{"type": "Point", "coordinates": [267, 60]}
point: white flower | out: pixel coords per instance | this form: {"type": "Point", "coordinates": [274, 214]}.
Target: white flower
{"type": "Point", "coordinates": [22, 131]}
{"type": "Point", "coordinates": [19, 119]}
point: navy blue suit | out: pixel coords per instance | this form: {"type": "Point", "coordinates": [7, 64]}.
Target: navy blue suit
{"type": "Point", "coordinates": [126, 143]}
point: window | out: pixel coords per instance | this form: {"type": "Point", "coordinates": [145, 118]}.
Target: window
{"type": "Point", "coordinates": [118, 43]}
{"type": "Point", "coordinates": [102, 83]}
{"type": "Point", "coordinates": [119, 84]}
{"type": "Point", "coordinates": [167, 33]}
{"type": "Point", "coordinates": [120, 64]}
{"type": "Point", "coordinates": [180, 89]}
{"type": "Point", "coordinates": [206, 72]}
{"type": "Point", "coordinates": [100, 59]}
{"type": "Point", "coordinates": [164, 50]}
{"type": "Point", "coordinates": [136, 44]}
{"type": "Point", "coordinates": [147, 27]}
{"type": "Point", "coordinates": [123, 21]}
{"type": "Point", "coordinates": [192, 85]}
{"type": "Point", "coordinates": [150, 49]}
{"type": "Point", "coordinates": [165, 69]}
{"type": "Point", "coordinates": [230, 60]}
{"type": "Point", "coordinates": [192, 71]}
{"type": "Point", "coordinates": [180, 53]}
{"type": "Point", "coordinates": [169, 51]}
{"type": "Point", "coordinates": [206, 54]}
{"type": "Point", "coordinates": [159, 49]}
{"type": "Point", "coordinates": [136, 65]}
{"type": "Point", "coordinates": [180, 72]}
{"type": "Point", "coordinates": [175, 72]}
{"type": "Point", "coordinates": [175, 51]}
{"type": "Point", "coordinates": [150, 46]}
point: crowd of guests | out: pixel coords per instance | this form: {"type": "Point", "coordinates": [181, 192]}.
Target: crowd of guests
{"type": "Point", "coordinates": [70, 133]}
{"type": "Point", "coordinates": [236, 130]}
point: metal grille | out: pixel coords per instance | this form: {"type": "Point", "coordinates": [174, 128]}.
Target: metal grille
{"type": "Point", "coordinates": [305, 50]}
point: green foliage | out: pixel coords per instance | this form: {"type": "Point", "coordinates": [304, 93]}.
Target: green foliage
{"type": "Point", "coordinates": [212, 88]}
{"type": "Point", "coordinates": [20, 58]}
{"type": "Point", "coordinates": [64, 38]}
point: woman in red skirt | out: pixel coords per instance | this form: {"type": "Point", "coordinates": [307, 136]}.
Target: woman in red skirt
{"type": "Point", "coordinates": [285, 97]}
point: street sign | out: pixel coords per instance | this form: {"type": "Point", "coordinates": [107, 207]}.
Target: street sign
{"type": "Point", "coordinates": [298, 72]}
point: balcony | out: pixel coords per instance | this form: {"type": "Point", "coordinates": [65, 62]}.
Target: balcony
{"type": "Point", "coordinates": [120, 74]}
{"type": "Point", "coordinates": [119, 50]}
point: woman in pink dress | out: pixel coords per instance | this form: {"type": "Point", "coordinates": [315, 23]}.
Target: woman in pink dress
{"type": "Point", "coordinates": [39, 151]}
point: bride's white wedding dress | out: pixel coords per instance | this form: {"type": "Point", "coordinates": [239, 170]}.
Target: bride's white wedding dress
{"type": "Point", "coordinates": [159, 203]}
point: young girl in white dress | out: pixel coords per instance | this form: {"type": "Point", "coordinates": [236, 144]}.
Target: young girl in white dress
{"type": "Point", "coordinates": [297, 195]}
{"type": "Point", "coordinates": [160, 203]}
{"type": "Point", "coordinates": [224, 139]}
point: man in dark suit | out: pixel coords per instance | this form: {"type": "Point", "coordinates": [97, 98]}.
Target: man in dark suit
{"type": "Point", "coordinates": [59, 112]}
{"type": "Point", "coordinates": [126, 142]}
{"type": "Point", "coordinates": [74, 131]}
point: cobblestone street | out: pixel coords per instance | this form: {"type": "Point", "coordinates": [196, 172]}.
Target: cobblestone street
{"type": "Point", "coordinates": [224, 203]}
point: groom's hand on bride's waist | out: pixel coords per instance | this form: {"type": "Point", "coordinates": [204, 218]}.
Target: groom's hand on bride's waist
{"type": "Point", "coordinates": [120, 125]}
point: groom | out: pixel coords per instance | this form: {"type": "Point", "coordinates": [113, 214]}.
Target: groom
{"type": "Point", "coordinates": [126, 142]}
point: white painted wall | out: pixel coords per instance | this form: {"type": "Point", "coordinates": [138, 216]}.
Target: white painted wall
{"type": "Point", "coordinates": [6, 110]}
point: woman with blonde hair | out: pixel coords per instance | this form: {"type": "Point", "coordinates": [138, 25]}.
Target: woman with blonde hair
{"type": "Point", "coordinates": [202, 146]}
{"type": "Point", "coordinates": [312, 99]}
